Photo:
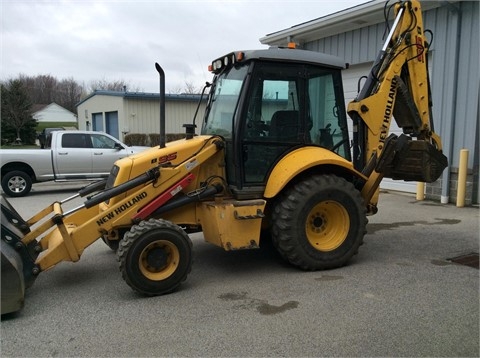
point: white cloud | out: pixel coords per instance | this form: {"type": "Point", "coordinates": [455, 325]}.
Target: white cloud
{"type": "Point", "coordinates": [90, 40]}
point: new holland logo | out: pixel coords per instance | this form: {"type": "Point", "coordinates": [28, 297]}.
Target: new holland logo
{"type": "Point", "coordinates": [388, 112]}
{"type": "Point", "coordinates": [104, 219]}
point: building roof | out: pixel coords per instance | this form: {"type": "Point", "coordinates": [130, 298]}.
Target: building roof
{"type": "Point", "coordinates": [143, 96]}
{"type": "Point", "coordinates": [36, 108]}
{"type": "Point", "coordinates": [353, 18]}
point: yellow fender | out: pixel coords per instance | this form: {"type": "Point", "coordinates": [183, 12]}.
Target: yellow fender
{"type": "Point", "coordinates": [300, 160]}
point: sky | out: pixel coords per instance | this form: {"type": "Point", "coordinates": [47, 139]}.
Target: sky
{"type": "Point", "coordinates": [122, 39]}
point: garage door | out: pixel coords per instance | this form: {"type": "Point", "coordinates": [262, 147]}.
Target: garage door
{"type": "Point", "coordinates": [350, 87]}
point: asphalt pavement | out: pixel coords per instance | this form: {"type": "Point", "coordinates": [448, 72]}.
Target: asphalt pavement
{"type": "Point", "coordinates": [400, 296]}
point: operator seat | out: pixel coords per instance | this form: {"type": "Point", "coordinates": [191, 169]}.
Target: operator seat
{"type": "Point", "coordinates": [285, 125]}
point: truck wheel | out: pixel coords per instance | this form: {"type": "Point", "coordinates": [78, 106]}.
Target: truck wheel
{"type": "Point", "coordinates": [155, 257]}
{"type": "Point", "coordinates": [319, 223]}
{"type": "Point", "coordinates": [16, 183]}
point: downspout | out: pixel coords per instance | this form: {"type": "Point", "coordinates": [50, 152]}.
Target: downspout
{"type": "Point", "coordinates": [445, 193]}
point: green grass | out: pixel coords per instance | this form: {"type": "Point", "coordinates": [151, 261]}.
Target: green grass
{"type": "Point", "coordinates": [42, 125]}
{"type": "Point", "coordinates": [31, 146]}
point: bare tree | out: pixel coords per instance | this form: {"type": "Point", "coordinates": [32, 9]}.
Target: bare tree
{"type": "Point", "coordinates": [68, 94]}
{"type": "Point", "coordinates": [104, 84]}
{"type": "Point", "coordinates": [189, 88]}
{"type": "Point", "coordinates": [45, 89]}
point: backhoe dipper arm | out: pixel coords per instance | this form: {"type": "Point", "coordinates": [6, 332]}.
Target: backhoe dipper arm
{"type": "Point", "coordinates": [397, 86]}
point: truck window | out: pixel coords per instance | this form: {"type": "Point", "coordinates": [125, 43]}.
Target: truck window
{"type": "Point", "coordinates": [75, 140]}
{"type": "Point", "coordinates": [101, 141]}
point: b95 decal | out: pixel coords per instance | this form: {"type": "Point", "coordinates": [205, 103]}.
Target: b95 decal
{"type": "Point", "coordinates": [165, 158]}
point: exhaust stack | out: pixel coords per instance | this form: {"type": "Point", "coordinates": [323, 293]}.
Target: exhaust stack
{"type": "Point", "coordinates": [162, 104]}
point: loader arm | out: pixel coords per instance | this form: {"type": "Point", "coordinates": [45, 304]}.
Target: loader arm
{"type": "Point", "coordinates": [397, 87]}
{"type": "Point", "coordinates": [54, 234]}
{"type": "Point", "coordinates": [77, 230]}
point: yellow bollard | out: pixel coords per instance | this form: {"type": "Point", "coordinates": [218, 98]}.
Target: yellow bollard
{"type": "Point", "coordinates": [462, 178]}
{"type": "Point", "coordinates": [420, 190]}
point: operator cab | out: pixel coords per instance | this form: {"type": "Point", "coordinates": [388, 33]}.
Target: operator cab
{"type": "Point", "coordinates": [266, 103]}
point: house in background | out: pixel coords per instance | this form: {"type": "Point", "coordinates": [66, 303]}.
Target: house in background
{"type": "Point", "coordinates": [53, 113]}
{"type": "Point", "coordinates": [119, 112]}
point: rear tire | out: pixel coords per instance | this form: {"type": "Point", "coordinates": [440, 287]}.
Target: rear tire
{"type": "Point", "coordinates": [16, 183]}
{"type": "Point", "coordinates": [155, 257]}
{"type": "Point", "coordinates": [319, 223]}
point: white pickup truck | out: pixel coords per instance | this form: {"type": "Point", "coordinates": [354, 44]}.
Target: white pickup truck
{"type": "Point", "coordinates": [73, 155]}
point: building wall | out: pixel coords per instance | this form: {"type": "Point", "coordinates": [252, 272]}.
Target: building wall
{"type": "Point", "coordinates": [140, 115]}
{"type": "Point", "coordinates": [143, 116]}
{"type": "Point", "coordinates": [99, 104]}
{"type": "Point", "coordinates": [454, 78]}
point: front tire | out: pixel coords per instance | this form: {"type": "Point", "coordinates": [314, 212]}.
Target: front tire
{"type": "Point", "coordinates": [155, 257]}
{"type": "Point", "coordinates": [319, 223]}
{"type": "Point", "coordinates": [16, 183]}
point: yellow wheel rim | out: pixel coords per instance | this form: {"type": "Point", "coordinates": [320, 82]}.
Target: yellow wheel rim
{"type": "Point", "coordinates": [159, 260]}
{"type": "Point", "coordinates": [327, 225]}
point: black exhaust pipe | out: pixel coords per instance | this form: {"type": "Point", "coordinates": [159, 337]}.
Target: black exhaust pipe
{"type": "Point", "coordinates": [162, 104]}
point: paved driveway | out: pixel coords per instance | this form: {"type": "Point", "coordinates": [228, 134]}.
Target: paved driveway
{"type": "Point", "coordinates": [400, 296]}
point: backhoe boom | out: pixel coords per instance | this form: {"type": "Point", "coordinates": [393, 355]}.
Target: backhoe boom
{"type": "Point", "coordinates": [397, 87]}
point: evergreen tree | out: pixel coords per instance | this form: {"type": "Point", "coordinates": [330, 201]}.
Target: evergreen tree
{"type": "Point", "coordinates": [17, 121]}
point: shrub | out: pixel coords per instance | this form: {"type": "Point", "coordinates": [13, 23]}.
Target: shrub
{"type": "Point", "coordinates": [174, 136]}
{"type": "Point", "coordinates": [152, 139]}
{"type": "Point", "coordinates": [135, 139]}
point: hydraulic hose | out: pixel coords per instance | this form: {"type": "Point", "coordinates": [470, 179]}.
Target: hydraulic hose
{"type": "Point", "coordinates": [176, 203]}
{"type": "Point", "coordinates": [149, 175]}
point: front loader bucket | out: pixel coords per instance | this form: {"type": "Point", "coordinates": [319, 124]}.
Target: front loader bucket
{"type": "Point", "coordinates": [13, 282]}
{"type": "Point", "coordinates": [17, 259]}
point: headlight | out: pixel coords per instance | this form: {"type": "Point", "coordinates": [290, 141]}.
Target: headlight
{"type": "Point", "coordinates": [226, 61]}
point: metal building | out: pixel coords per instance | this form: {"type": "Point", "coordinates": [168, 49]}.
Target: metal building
{"type": "Point", "coordinates": [119, 113]}
{"type": "Point", "coordinates": [356, 34]}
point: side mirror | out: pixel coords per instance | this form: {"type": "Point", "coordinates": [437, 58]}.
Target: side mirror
{"type": "Point", "coordinates": [118, 146]}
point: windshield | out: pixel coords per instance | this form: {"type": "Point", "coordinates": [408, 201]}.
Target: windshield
{"type": "Point", "coordinates": [223, 102]}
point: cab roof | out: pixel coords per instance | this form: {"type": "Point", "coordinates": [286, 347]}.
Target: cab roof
{"type": "Point", "coordinates": [295, 55]}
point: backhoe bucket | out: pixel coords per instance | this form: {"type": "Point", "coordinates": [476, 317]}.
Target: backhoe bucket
{"type": "Point", "coordinates": [17, 259]}
{"type": "Point", "coordinates": [415, 160]}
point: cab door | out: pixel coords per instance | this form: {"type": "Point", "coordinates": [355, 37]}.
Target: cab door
{"type": "Point", "coordinates": [105, 152]}
{"type": "Point", "coordinates": [273, 122]}
{"type": "Point", "coordinates": [289, 106]}
{"type": "Point", "coordinates": [73, 157]}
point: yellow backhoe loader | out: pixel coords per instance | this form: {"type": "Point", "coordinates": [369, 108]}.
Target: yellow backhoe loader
{"type": "Point", "coordinates": [274, 156]}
